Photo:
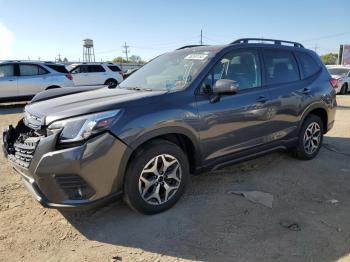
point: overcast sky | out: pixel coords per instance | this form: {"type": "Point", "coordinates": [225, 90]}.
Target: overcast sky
{"type": "Point", "coordinates": [47, 28]}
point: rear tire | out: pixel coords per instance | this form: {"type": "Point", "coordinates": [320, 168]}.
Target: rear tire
{"type": "Point", "coordinates": [344, 89]}
{"type": "Point", "coordinates": [310, 138]}
{"type": "Point", "coordinates": [156, 177]}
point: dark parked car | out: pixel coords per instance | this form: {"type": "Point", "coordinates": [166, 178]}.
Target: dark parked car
{"type": "Point", "coordinates": [194, 109]}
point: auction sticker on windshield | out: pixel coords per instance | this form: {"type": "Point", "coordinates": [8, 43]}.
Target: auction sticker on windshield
{"type": "Point", "coordinates": [196, 57]}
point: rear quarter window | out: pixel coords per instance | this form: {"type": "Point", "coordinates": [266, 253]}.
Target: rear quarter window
{"type": "Point", "coordinates": [58, 68]}
{"type": "Point", "coordinates": [308, 64]}
{"type": "Point", "coordinates": [114, 68]}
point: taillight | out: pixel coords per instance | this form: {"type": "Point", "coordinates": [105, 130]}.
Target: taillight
{"type": "Point", "coordinates": [69, 76]}
{"type": "Point", "coordinates": [334, 82]}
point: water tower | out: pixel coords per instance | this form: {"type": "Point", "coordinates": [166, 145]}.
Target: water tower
{"type": "Point", "coordinates": [88, 50]}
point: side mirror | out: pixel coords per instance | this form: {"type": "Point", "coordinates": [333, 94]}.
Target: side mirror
{"type": "Point", "coordinates": [225, 87]}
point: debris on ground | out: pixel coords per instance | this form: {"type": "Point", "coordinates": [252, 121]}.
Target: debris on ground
{"type": "Point", "coordinates": [331, 226]}
{"type": "Point", "coordinates": [293, 226]}
{"type": "Point", "coordinates": [332, 201]}
{"type": "Point", "coordinates": [116, 258]}
{"type": "Point", "coordinates": [259, 197]}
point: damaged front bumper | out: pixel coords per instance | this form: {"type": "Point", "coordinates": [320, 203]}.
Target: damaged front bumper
{"type": "Point", "coordinates": [81, 176]}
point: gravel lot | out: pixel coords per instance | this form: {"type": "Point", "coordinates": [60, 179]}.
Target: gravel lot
{"type": "Point", "coordinates": [208, 224]}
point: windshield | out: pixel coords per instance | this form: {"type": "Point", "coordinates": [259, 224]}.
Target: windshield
{"type": "Point", "coordinates": [338, 71]}
{"type": "Point", "coordinates": [171, 71]}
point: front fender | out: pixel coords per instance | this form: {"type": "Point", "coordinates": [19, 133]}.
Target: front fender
{"type": "Point", "coordinates": [151, 134]}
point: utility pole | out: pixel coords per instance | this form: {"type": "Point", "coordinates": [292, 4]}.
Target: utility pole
{"type": "Point", "coordinates": [59, 57]}
{"type": "Point", "coordinates": [201, 41]}
{"type": "Point", "coordinates": [316, 48]}
{"type": "Point", "coordinates": [126, 51]}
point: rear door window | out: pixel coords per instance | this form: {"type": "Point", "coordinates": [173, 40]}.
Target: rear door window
{"type": "Point", "coordinates": [95, 68]}
{"type": "Point", "coordinates": [31, 70]}
{"type": "Point", "coordinates": [80, 69]}
{"type": "Point", "coordinates": [308, 64]}
{"type": "Point", "coordinates": [280, 67]}
{"type": "Point", "coordinates": [7, 71]}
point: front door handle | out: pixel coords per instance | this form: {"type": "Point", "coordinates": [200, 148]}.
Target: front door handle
{"type": "Point", "coordinates": [262, 99]}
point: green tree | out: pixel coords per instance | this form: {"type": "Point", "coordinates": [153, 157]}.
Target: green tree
{"type": "Point", "coordinates": [330, 58]}
{"type": "Point", "coordinates": [119, 59]}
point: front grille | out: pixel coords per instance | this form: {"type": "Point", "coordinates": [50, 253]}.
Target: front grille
{"type": "Point", "coordinates": [24, 149]}
{"type": "Point", "coordinates": [75, 187]}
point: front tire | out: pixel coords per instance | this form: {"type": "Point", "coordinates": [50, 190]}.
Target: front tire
{"type": "Point", "coordinates": [111, 83]}
{"type": "Point", "coordinates": [310, 138]}
{"type": "Point", "coordinates": [156, 177]}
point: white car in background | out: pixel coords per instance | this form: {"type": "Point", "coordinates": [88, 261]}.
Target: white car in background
{"type": "Point", "coordinates": [342, 75]}
{"type": "Point", "coordinates": [21, 80]}
{"type": "Point", "coordinates": [96, 74]}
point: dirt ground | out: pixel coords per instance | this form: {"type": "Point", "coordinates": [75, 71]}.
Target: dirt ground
{"type": "Point", "coordinates": [208, 224]}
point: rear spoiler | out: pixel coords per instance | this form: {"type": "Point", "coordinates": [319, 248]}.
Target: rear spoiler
{"type": "Point", "coordinates": [64, 91]}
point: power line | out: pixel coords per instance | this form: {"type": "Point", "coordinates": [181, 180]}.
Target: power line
{"type": "Point", "coordinates": [326, 37]}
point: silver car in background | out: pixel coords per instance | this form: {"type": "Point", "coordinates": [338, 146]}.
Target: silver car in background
{"type": "Point", "coordinates": [342, 75]}
{"type": "Point", "coordinates": [21, 80]}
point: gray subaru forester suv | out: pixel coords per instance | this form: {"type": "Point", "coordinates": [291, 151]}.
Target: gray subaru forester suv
{"type": "Point", "coordinates": [194, 109]}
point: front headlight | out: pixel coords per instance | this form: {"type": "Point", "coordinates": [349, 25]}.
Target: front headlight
{"type": "Point", "coordinates": [77, 129]}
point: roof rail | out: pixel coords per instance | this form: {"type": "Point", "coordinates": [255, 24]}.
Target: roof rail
{"type": "Point", "coordinates": [275, 41]}
{"type": "Point", "coordinates": [189, 46]}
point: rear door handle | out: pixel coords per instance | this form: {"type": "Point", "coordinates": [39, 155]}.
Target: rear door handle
{"type": "Point", "coordinates": [262, 99]}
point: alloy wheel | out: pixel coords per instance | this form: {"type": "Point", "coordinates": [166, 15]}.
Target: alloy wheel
{"type": "Point", "coordinates": [312, 138]}
{"type": "Point", "coordinates": [160, 179]}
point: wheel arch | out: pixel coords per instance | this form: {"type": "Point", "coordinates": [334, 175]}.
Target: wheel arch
{"type": "Point", "coordinates": [316, 109]}
{"type": "Point", "coordinates": [183, 138]}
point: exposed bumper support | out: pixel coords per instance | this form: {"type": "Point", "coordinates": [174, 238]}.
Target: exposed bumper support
{"type": "Point", "coordinates": [96, 164]}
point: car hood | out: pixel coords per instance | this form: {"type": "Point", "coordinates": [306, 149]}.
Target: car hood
{"type": "Point", "coordinates": [88, 102]}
